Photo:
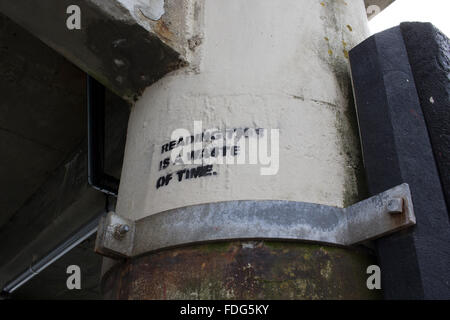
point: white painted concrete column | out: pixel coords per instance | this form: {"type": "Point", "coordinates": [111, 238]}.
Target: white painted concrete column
{"type": "Point", "coordinates": [254, 64]}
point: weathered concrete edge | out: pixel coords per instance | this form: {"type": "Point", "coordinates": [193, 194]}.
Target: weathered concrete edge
{"type": "Point", "coordinates": [111, 45]}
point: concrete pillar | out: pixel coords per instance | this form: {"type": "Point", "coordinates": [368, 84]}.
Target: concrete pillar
{"type": "Point", "coordinates": [252, 64]}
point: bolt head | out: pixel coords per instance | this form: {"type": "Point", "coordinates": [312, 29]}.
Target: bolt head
{"type": "Point", "coordinates": [395, 205]}
{"type": "Point", "coordinates": [120, 231]}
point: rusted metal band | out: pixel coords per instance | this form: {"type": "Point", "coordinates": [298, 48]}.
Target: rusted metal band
{"type": "Point", "coordinates": [282, 220]}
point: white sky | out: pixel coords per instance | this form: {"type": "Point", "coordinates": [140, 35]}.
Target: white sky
{"type": "Point", "coordinates": [434, 11]}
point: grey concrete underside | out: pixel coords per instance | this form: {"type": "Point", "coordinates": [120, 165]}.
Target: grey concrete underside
{"type": "Point", "coordinates": [44, 196]}
{"type": "Point", "coordinates": [108, 34]}
{"type": "Point", "coordinates": [42, 118]}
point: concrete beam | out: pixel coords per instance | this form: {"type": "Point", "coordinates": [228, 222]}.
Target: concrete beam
{"type": "Point", "coordinates": [125, 44]}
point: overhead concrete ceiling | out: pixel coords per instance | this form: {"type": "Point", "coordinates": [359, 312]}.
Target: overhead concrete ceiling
{"type": "Point", "coordinates": [44, 195]}
{"type": "Point", "coordinates": [43, 117]}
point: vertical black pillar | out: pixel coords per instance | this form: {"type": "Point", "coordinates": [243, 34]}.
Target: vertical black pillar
{"type": "Point", "coordinates": [429, 55]}
{"type": "Point", "coordinates": [415, 263]}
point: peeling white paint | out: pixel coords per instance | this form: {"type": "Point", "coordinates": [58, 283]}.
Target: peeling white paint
{"type": "Point", "coordinates": [151, 9]}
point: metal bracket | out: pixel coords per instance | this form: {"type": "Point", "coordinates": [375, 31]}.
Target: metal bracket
{"type": "Point", "coordinates": [115, 236]}
{"type": "Point", "coordinates": [375, 217]}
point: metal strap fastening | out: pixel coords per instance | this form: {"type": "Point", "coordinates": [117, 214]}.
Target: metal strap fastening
{"type": "Point", "coordinates": [375, 217]}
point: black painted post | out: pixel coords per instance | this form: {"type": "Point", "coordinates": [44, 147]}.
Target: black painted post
{"type": "Point", "coordinates": [415, 263]}
{"type": "Point", "coordinates": [429, 55]}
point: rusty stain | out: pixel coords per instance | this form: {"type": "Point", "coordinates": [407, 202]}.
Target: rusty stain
{"type": "Point", "coordinates": [269, 270]}
{"type": "Point", "coordinates": [161, 29]}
